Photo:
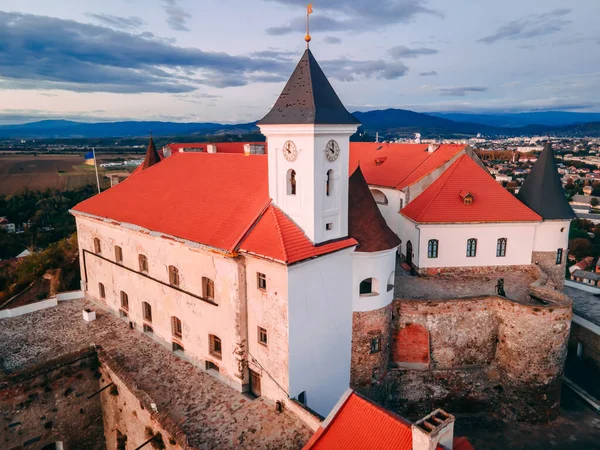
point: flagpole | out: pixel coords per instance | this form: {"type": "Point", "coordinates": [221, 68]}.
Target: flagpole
{"type": "Point", "coordinates": [96, 167]}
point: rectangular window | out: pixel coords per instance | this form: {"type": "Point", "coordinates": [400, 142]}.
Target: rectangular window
{"type": "Point", "coordinates": [376, 344]}
{"type": "Point", "coordinates": [118, 254]}
{"type": "Point", "coordinates": [208, 288]}
{"type": "Point", "coordinates": [501, 247]}
{"type": "Point", "coordinates": [261, 280]}
{"type": "Point", "coordinates": [97, 247]}
{"type": "Point", "coordinates": [173, 276]}
{"type": "Point", "coordinates": [176, 327]}
{"type": "Point", "coordinates": [102, 291]}
{"type": "Point", "coordinates": [215, 346]}
{"type": "Point", "coordinates": [147, 310]}
{"type": "Point", "coordinates": [329, 226]}
{"type": "Point", "coordinates": [143, 260]}
{"type": "Point", "coordinates": [262, 336]}
{"type": "Point", "coordinates": [432, 248]}
{"type": "Point", "coordinates": [559, 256]}
{"type": "Point", "coordinates": [211, 366]}
{"type": "Point", "coordinates": [177, 347]}
{"type": "Point", "coordinates": [124, 301]}
{"type": "Point", "coordinates": [148, 329]}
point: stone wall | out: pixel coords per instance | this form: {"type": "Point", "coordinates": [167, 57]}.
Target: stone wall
{"type": "Point", "coordinates": [50, 403]}
{"type": "Point", "coordinates": [484, 354]}
{"type": "Point", "coordinates": [128, 415]}
{"type": "Point", "coordinates": [368, 366]}
{"type": "Point", "coordinates": [590, 341]}
{"type": "Point", "coordinates": [555, 272]}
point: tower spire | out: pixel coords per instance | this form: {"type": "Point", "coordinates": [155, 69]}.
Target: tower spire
{"type": "Point", "coordinates": [309, 11]}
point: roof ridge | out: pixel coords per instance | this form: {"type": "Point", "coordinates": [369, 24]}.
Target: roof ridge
{"type": "Point", "coordinates": [450, 170]}
{"type": "Point", "coordinates": [413, 171]}
{"type": "Point", "coordinates": [279, 233]}
{"type": "Point", "coordinates": [427, 159]}
{"type": "Point", "coordinates": [250, 227]}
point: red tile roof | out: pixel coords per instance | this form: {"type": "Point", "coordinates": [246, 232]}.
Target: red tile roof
{"type": "Point", "coordinates": [362, 424]}
{"type": "Point", "coordinates": [365, 222]}
{"type": "Point", "coordinates": [201, 197]}
{"type": "Point", "coordinates": [441, 201]}
{"type": "Point", "coordinates": [398, 165]}
{"type": "Point", "coordinates": [276, 236]}
{"type": "Point", "coordinates": [211, 199]}
{"type": "Point", "coordinates": [222, 147]}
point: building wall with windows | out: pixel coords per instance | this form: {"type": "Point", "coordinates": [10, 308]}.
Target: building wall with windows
{"type": "Point", "coordinates": [452, 244]}
{"type": "Point", "coordinates": [389, 203]}
{"type": "Point", "coordinates": [223, 317]}
{"type": "Point", "coordinates": [320, 327]}
{"type": "Point", "coordinates": [380, 268]}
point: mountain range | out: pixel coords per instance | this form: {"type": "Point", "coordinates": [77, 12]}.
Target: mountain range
{"type": "Point", "coordinates": [388, 122]}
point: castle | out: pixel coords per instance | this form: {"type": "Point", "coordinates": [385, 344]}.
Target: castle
{"type": "Point", "coordinates": [286, 275]}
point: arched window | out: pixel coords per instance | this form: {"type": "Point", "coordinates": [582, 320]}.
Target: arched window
{"type": "Point", "coordinates": [329, 183]}
{"type": "Point", "coordinates": [176, 327]}
{"type": "Point", "coordinates": [147, 311]}
{"type": "Point", "coordinates": [97, 247]}
{"type": "Point", "coordinates": [379, 197]}
{"type": "Point", "coordinates": [208, 288]}
{"type": "Point", "coordinates": [501, 247]}
{"type": "Point", "coordinates": [215, 346]}
{"type": "Point", "coordinates": [118, 254]}
{"type": "Point", "coordinates": [291, 182]}
{"type": "Point", "coordinates": [173, 276]}
{"type": "Point", "coordinates": [432, 248]}
{"type": "Point", "coordinates": [471, 247]}
{"type": "Point", "coordinates": [390, 281]}
{"type": "Point", "coordinates": [368, 286]}
{"type": "Point", "coordinates": [143, 260]}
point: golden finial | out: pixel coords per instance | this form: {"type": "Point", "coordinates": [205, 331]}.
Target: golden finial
{"type": "Point", "coordinates": [309, 11]}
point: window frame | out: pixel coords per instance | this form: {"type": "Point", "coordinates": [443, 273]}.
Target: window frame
{"type": "Point", "coordinates": [118, 254]}
{"type": "Point", "coordinates": [263, 336]}
{"type": "Point", "coordinates": [559, 256]}
{"type": "Point", "coordinates": [329, 183]}
{"type": "Point", "coordinates": [97, 246]}
{"type": "Point", "coordinates": [374, 290]}
{"type": "Point", "coordinates": [261, 281]}
{"type": "Point", "coordinates": [147, 312]}
{"type": "Point", "coordinates": [471, 248]}
{"type": "Point", "coordinates": [208, 289]}
{"type": "Point", "coordinates": [143, 263]}
{"type": "Point", "coordinates": [375, 346]}
{"type": "Point", "coordinates": [124, 301]}
{"type": "Point", "coordinates": [292, 182]}
{"type": "Point", "coordinates": [433, 248]}
{"type": "Point", "coordinates": [174, 279]}
{"type": "Point", "coordinates": [501, 245]}
{"type": "Point", "coordinates": [176, 327]}
{"type": "Point", "coordinates": [102, 291]}
{"type": "Point", "coordinates": [215, 342]}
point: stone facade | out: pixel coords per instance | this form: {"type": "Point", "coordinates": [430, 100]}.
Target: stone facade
{"type": "Point", "coordinates": [473, 354]}
{"type": "Point", "coordinates": [370, 346]}
{"type": "Point", "coordinates": [51, 403]}
{"type": "Point", "coordinates": [555, 272]}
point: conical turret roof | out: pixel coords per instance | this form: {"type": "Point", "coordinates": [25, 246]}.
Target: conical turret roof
{"type": "Point", "coordinates": [152, 156]}
{"type": "Point", "coordinates": [308, 98]}
{"type": "Point", "coordinates": [542, 190]}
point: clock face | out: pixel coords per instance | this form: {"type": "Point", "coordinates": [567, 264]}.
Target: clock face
{"type": "Point", "coordinates": [289, 151]}
{"type": "Point", "coordinates": [332, 150]}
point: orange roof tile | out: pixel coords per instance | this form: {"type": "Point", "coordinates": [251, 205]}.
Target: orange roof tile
{"type": "Point", "coordinates": [398, 165]}
{"type": "Point", "coordinates": [276, 236]}
{"type": "Point", "coordinates": [200, 197]}
{"type": "Point", "coordinates": [222, 147]}
{"type": "Point", "coordinates": [362, 424]}
{"type": "Point", "coordinates": [441, 201]}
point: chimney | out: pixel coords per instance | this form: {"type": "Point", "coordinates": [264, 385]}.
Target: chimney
{"type": "Point", "coordinates": [432, 148]}
{"type": "Point", "coordinates": [437, 428]}
{"type": "Point", "coordinates": [211, 148]}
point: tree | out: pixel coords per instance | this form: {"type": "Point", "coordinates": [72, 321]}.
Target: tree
{"type": "Point", "coordinates": [594, 202]}
{"type": "Point", "coordinates": [580, 247]}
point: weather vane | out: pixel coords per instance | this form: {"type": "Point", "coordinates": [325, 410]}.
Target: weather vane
{"type": "Point", "coordinates": [309, 11]}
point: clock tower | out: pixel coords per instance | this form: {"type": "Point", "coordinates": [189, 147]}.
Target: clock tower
{"type": "Point", "coordinates": [308, 131]}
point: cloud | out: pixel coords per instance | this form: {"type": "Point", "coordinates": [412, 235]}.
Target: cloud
{"type": "Point", "coordinates": [177, 17]}
{"type": "Point", "coordinates": [531, 26]}
{"type": "Point", "coordinates": [345, 69]}
{"type": "Point", "coordinates": [332, 40]}
{"type": "Point", "coordinates": [354, 15]}
{"type": "Point", "coordinates": [38, 52]}
{"type": "Point", "coordinates": [431, 73]}
{"type": "Point", "coordinates": [460, 91]}
{"type": "Point", "coordinates": [401, 51]}
{"type": "Point", "coordinates": [123, 23]}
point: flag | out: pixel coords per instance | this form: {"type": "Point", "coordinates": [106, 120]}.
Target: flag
{"type": "Point", "coordinates": [89, 158]}
{"type": "Point", "coordinates": [309, 9]}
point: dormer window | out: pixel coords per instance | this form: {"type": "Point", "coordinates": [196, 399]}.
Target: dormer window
{"type": "Point", "coordinates": [467, 197]}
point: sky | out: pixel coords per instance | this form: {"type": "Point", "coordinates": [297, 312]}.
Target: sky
{"type": "Point", "coordinates": [227, 60]}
